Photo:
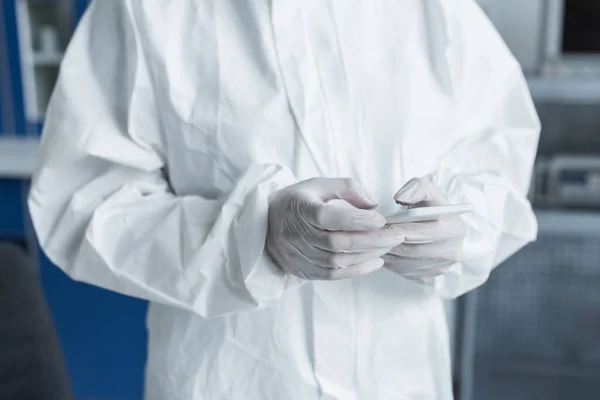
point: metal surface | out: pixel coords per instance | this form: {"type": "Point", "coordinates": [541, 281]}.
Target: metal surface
{"type": "Point", "coordinates": [569, 128]}
{"type": "Point", "coordinates": [565, 90]}
{"type": "Point", "coordinates": [554, 30]}
{"type": "Point", "coordinates": [533, 30]}
{"type": "Point", "coordinates": [573, 180]}
{"type": "Point", "coordinates": [465, 337]}
{"type": "Point", "coordinates": [537, 319]}
{"type": "Point", "coordinates": [523, 31]}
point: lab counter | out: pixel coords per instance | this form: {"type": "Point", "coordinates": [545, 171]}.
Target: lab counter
{"type": "Point", "coordinates": [17, 162]}
{"type": "Point", "coordinates": [17, 157]}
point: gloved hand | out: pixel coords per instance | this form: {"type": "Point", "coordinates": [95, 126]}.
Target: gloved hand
{"type": "Point", "coordinates": [316, 240]}
{"type": "Point", "coordinates": [432, 247]}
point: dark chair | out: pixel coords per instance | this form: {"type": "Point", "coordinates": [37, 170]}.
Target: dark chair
{"type": "Point", "coordinates": [31, 363]}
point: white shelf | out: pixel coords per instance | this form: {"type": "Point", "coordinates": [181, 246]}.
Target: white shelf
{"type": "Point", "coordinates": [18, 156]}
{"type": "Point", "coordinates": [572, 79]}
{"type": "Point", "coordinates": [570, 90]}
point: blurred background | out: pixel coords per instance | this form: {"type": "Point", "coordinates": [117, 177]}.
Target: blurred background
{"type": "Point", "coordinates": [532, 332]}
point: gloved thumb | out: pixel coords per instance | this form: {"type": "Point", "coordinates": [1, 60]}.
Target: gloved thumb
{"type": "Point", "coordinates": [420, 191]}
{"type": "Point", "coordinates": [345, 189]}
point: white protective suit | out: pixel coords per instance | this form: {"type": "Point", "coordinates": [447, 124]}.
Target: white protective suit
{"type": "Point", "coordinates": [172, 122]}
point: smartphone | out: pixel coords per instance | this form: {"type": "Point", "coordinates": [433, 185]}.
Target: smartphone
{"type": "Point", "coordinates": [424, 214]}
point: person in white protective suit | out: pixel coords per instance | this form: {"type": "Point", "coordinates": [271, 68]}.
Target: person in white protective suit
{"type": "Point", "coordinates": [190, 153]}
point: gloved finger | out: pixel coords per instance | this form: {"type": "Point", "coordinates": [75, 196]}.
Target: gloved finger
{"type": "Point", "coordinates": [328, 259]}
{"type": "Point", "coordinates": [421, 192]}
{"type": "Point", "coordinates": [426, 273]}
{"type": "Point", "coordinates": [346, 189]}
{"type": "Point", "coordinates": [417, 267]}
{"type": "Point", "coordinates": [333, 217]}
{"type": "Point", "coordinates": [449, 250]}
{"type": "Point", "coordinates": [356, 242]}
{"type": "Point", "coordinates": [430, 280]}
{"type": "Point", "coordinates": [351, 271]}
{"type": "Point", "coordinates": [433, 231]}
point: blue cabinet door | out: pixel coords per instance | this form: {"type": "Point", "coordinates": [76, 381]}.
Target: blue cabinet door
{"type": "Point", "coordinates": [11, 84]}
{"type": "Point", "coordinates": [102, 334]}
{"type": "Point", "coordinates": [12, 214]}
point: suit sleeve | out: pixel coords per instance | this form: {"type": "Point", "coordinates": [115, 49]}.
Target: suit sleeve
{"type": "Point", "coordinates": [101, 202]}
{"type": "Point", "coordinates": [490, 163]}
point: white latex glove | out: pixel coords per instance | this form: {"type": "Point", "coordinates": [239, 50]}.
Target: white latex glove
{"type": "Point", "coordinates": [316, 240]}
{"type": "Point", "coordinates": [432, 247]}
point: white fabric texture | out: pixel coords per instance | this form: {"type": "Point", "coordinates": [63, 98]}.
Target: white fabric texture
{"type": "Point", "coordinates": [171, 124]}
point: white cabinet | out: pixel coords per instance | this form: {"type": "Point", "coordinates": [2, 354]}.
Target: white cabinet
{"type": "Point", "coordinates": [44, 29]}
